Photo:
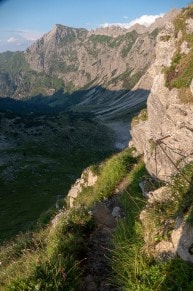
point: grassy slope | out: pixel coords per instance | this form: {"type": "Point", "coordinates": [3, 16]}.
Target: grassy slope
{"type": "Point", "coordinates": [50, 258]}
{"type": "Point", "coordinates": [133, 264]}
{"type": "Point", "coordinates": [14, 65]}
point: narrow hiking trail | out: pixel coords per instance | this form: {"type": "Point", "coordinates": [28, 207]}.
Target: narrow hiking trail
{"type": "Point", "coordinates": [97, 271]}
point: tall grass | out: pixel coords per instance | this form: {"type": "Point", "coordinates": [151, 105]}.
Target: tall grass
{"type": "Point", "coordinates": [51, 258]}
{"type": "Point", "coordinates": [135, 269]}
{"type": "Point", "coordinates": [110, 174]}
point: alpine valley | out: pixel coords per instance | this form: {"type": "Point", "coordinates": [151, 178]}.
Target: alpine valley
{"type": "Point", "coordinates": [96, 159]}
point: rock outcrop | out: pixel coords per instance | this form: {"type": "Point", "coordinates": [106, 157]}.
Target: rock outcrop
{"type": "Point", "coordinates": [87, 179]}
{"type": "Point", "coordinates": [165, 138]}
{"type": "Point", "coordinates": [178, 234]}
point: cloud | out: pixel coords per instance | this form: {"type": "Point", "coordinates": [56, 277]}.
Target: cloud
{"type": "Point", "coordinates": [125, 17]}
{"type": "Point", "coordinates": [146, 20]}
{"type": "Point", "coordinates": [17, 39]}
{"type": "Point", "coordinates": [30, 35]}
{"type": "Point", "coordinates": [12, 40]}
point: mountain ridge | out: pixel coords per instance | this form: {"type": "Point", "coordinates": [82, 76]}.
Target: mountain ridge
{"type": "Point", "coordinates": [75, 58]}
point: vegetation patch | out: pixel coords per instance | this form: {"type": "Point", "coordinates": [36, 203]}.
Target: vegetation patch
{"type": "Point", "coordinates": [130, 39]}
{"type": "Point", "coordinates": [128, 79]}
{"type": "Point", "coordinates": [185, 95]}
{"type": "Point", "coordinates": [155, 33]}
{"type": "Point", "coordinates": [142, 116]}
{"type": "Point", "coordinates": [104, 39]}
{"type": "Point", "coordinates": [110, 172]}
{"type": "Point", "coordinates": [180, 20]}
{"type": "Point", "coordinates": [136, 269]}
{"type": "Point", "coordinates": [50, 258]}
{"type": "Point", "coordinates": [180, 73]}
{"type": "Point", "coordinates": [48, 154]}
{"type": "Point", "coordinates": [165, 38]}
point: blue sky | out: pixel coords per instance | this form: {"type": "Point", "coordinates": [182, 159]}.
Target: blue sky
{"type": "Point", "coordinates": [24, 21]}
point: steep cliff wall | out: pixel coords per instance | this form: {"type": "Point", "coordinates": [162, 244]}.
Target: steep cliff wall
{"type": "Point", "coordinates": [165, 138]}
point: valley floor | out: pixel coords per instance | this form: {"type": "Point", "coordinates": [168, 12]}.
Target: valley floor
{"type": "Point", "coordinates": [122, 133]}
{"type": "Point", "coordinates": [40, 157]}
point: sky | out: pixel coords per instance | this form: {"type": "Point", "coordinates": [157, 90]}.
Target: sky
{"type": "Point", "coordinates": [24, 21]}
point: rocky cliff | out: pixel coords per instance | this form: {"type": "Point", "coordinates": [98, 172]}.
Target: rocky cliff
{"type": "Point", "coordinates": [165, 137]}
{"type": "Point", "coordinates": [72, 58]}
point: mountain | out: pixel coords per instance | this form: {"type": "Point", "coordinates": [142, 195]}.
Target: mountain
{"type": "Point", "coordinates": [73, 58]}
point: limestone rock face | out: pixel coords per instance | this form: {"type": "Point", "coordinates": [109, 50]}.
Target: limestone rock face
{"type": "Point", "coordinates": [165, 138]}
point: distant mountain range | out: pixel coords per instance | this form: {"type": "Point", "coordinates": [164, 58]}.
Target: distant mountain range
{"type": "Point", "coordinates": [72, 59]}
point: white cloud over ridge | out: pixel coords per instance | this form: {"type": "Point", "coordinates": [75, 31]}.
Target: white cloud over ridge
{"type": "Point", "coordinates": [17, 39]}
{"type": "Point", "coordinates": [145, 20]}
{"type": "Point", "coordinates": [30, 35]}
{"type": "Point", "coordinates": [12, 40]}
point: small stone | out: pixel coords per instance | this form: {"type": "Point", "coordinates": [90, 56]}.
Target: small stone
{"type": "Point", "coordinates": [184, 48]}
{"type": "Point", "coordinates": [116, 212]}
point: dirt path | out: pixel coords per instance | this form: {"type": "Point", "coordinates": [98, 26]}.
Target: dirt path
{"type": "Point", "coordinates": [97, 266]}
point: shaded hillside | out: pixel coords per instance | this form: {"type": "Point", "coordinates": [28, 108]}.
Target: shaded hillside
{"type": "Point", "coordinates": [40, 157]}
